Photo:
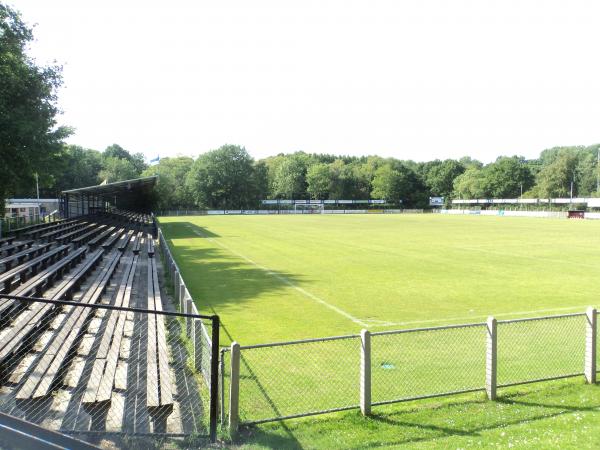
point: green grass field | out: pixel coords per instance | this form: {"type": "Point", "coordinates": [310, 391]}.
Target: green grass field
{"type": "Point", "coordinates": [279, 278]}
{"type": "Point", "coordinates": [274, 278]}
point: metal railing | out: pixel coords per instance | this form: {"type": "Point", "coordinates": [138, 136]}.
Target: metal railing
{"type": "Point", "coordinates": [99, 371]}
{"type": "Point", "coordinates": [271, 382]}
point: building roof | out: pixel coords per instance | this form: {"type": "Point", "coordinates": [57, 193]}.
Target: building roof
{"type": "Point", "coordinates": [118, 187]}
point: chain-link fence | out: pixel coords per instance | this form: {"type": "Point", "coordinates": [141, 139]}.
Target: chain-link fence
{"type": "Point", "coordinates": [262, 383]}
{"type": "Point", "coordinates": [420, 363]}
{"type": "Point", "coordinates": [109, 374]}
{"type": "Point", "coordinates": [201, 334]}
{"type": "Point", "coordinates": [320, 376]}
{"type": "Point", "coordinates": [540, 348]}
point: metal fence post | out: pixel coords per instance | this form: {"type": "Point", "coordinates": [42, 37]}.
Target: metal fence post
{"type": "Point", "coordinates": [590, 345]}
{"type": "Point", "coordinates": [491, 360]}
{"type": "Point", "coordinates": [365, 372]}
{"type": "Point", "coordinates": [197, 340]}
{"type": "Point", "coordinates": [234, 388]}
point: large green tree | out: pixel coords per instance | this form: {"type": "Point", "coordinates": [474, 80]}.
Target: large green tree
{"type": "Point", "coordinates": [289, 179]}
{"type": "Point", "coordinates": [117, 169]}
{"type": "Point", "coordinates": [171, 191]}
{"type": "Point", "coordinates": [76, 167]}
{"type": "Point", "coordinates": [397, 184]}
{"type": "Point", "coordinates": [440, 177]}
{"type": "Point", "coordinates": [554, 180]}
{"type": "Point", "coordinates": [29, 135]}
{"type": "Point", "coordinates": [224, 178]}
{"type": "Point", "coordinates": [317, 178]}
{"type": "Point", "coordinates": [507, 177]}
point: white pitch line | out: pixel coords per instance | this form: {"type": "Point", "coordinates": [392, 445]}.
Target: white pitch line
{"type": "Point", "coordinates": [453, 319]}
{"type": "Point", "coordinates": [284, 280]}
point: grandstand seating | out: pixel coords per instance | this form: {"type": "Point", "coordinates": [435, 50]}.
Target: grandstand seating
{"type": "Point", "coordinates": [18, 258]}
{"type": "Point", "coordinates": [24, 271]}
{"type": "Point", "coordinates": [37, 284]}
{"type": "Point", "coordinates": [159, 394]}
{"type": "Point", "coordinates": [39, 226]}
{"type": "Point", "coordinates": [6, 240]}
{"type": "Point", "coordinates": [72, 261]}
{"type": "Point", "coordinates": [99, 387]}
{"type": "Point", "coordinates": [108, 243]}
{"type": "Point", "coordinates": [38, 230]}
{"type": "Point", "coordinates": [137, 242]}
{"type": "Point", "coordinates": [36, 318]}
{"type": "Point", "coordinates": [53, 234]}
{"type": "Point", "coordinates": [150, 242]}
{"type": "Point", "coordinates": [16, 247]}
{"type": "Point", "coordinates": [47, 368]}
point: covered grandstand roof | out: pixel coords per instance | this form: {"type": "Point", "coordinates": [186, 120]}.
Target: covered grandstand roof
{"type": "Point", "coordinates": [136, 195]}
{"type": "Point", "coordinates": [118, 187]}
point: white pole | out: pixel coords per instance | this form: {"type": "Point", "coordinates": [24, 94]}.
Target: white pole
{"type": "Point", "coordinates": [590, 346]}
{"type": "Point", "coordinates": [365, 373]}
{"type": "Point", "coordinates": [234, 388]}
{"type": "Point", "coordinates": [37, 185]}
{"type": "Point", "coordinates": [491, 370]}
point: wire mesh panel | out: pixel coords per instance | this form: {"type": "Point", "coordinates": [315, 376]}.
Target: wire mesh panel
{"type": "Point", "coordinates": [299, 379]}
{"type": "Point", "coordinates": [113, 376]}
{"type": "Point", "coordinates": [201, 335]}
{"type": "Point", "coordinates": [531, 350]}
{"type": "Point", "coordinates": [416, 364]}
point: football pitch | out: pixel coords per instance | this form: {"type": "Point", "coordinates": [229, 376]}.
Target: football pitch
{"type": "Point", "coordinates": [285, 277]}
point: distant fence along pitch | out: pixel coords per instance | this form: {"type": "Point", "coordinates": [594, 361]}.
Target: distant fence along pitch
{"type": "Point", "coordinates": [217, 212]}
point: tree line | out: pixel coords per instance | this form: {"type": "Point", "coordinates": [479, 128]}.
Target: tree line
{"type": "Point", "coordinates": [32, 144]}
{"type": "Point", "coordinates": [228, 177]}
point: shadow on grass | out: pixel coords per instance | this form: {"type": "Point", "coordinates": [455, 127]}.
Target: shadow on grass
{"type": "Point", "coordinates": [425, 421]}
{"type": "Point", "coordinates": [216, 276]}
{"type": "Point", "coordinates": [185, 230]}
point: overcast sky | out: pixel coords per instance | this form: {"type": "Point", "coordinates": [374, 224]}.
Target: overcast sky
{"type": "Point", "coordinates": [418, 80]}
